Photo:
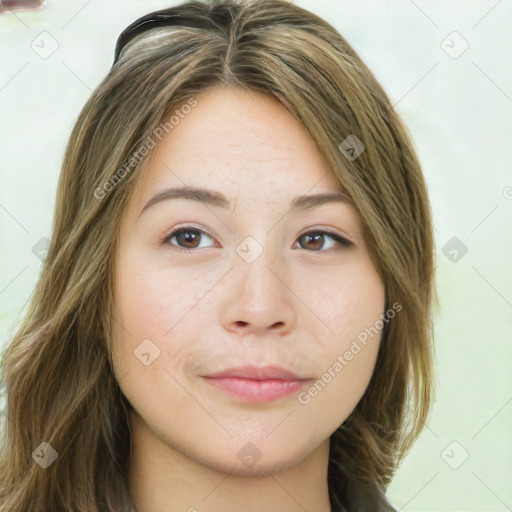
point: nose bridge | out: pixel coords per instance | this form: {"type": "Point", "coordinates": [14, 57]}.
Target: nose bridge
{"type": "Point", "coordinates": [258, 298]}
{"type": "Point", "coordinates": [259, 262]}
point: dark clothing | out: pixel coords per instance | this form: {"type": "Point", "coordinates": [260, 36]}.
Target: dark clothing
{"type": "Point", "coordinates": [353, 496]}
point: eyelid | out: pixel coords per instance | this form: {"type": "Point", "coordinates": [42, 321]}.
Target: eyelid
{"type": "Point", "coordinates": [329, 231]}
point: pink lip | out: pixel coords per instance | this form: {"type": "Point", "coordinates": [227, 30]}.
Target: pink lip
{"type": "Point", "coordinates": [257, 384]}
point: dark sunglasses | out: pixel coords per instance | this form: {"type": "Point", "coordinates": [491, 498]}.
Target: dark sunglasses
{"type": "Point", "coordinates": [166, 17]}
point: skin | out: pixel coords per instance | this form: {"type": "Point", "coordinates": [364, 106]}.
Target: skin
{"type": "Point", "coordinates": [299, 305]}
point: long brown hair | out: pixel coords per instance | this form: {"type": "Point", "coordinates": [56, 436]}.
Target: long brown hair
{"type": "Point", "coordinates": [57, 369]}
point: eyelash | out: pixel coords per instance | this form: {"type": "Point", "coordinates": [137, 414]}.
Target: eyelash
{"type": "Point", "coordinates": [343, 242]}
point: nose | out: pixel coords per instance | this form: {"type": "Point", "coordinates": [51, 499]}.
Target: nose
{"type": "Point", "coordinates": [257, 298]}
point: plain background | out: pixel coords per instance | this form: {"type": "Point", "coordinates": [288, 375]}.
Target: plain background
{"type": "Point", "coordinates": [457, 103]}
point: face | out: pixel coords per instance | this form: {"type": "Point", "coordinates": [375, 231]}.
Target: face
{"type": "Point", "coordinates": [203, 287]}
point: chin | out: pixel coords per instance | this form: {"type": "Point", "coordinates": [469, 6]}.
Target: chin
{"type": "Point", "coordinates": [250, 461]}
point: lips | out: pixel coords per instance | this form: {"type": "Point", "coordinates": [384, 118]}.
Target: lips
{"type": "Point", "coordinates": [257, 373]}
{"type": "Point", "coordinates": [253, 384]}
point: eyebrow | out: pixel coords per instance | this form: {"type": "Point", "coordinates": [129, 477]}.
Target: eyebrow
{"type": "Point", "coordinates": [214, 198]}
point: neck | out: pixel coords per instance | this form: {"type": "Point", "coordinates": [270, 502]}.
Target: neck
{"type": "Point", "coordinates": [164, 479]}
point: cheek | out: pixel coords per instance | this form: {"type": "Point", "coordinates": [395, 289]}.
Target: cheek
{"type": "Point", "coordinates": [144, 303]}
{"type": "Point", "coordinates": [351, 306]}
{"type": "Point", "coordinates": [348, 303]}
{"type": "Point", "coordinates": [153, 297]}
{"type": "Point", "coordinates": [152, 306]}
{"type": "Point", "coordinates": [162, 303]}
{"type": "Point", "coordinates": [149, 305]}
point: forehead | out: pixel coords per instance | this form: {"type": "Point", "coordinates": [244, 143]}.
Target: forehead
{"type": "Point", "coordinates": [243, 143]}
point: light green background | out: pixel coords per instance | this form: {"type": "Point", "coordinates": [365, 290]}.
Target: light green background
{"type": "Point", "coordinates": [459, 111]}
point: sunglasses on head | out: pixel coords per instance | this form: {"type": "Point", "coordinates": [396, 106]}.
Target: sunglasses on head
{"type": "Point", "coordinates": [167, 17]}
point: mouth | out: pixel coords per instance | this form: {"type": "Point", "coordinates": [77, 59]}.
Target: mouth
{"type": "Point", "coordinates": [258, 385]}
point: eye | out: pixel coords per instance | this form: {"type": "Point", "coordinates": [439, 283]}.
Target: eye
{"type": "Point", "coordinates": [188, 236]}
{"type": "Point", "coordinates": [188, 239]}
{"type": "Point", "coordinates": [316, 239]}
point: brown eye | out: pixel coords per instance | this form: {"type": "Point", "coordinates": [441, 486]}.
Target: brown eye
{"type": "Point", "coordinates": [315, 240]}
{"type": "Point", "coordinates": [186, 238]}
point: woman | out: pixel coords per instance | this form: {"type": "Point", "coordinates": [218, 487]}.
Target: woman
{"type": "Point", "coordinates": [235, 309]}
